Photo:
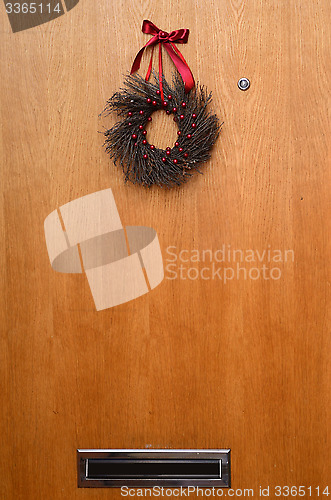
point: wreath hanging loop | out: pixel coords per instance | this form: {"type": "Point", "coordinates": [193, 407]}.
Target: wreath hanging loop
{"type": "Point", "coordinates": [127, 143]}
{"type": "Point", "coordinates": [166, 40]}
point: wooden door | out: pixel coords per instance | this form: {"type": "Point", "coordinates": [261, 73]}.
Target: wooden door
{"type": "Point", "coordinates": [241, 362]}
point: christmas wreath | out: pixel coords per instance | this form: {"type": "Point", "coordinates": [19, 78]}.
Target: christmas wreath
{"type": "Point", "coordinates": [127, 143]}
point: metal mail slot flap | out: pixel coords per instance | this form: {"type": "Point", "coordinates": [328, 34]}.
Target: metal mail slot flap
{"type": "Point", "coordinates": [148, 468]}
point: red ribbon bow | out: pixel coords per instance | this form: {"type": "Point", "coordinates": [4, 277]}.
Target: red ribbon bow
{"type": "Point", "coordinates": [167, 40]}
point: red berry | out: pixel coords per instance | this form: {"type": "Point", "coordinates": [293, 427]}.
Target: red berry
{"type": "Point", "coordinates": [141, 127]}
{"type": "Point", "coordinates": [141, 112]}
{"type": "Point", "coordinates": [158, 92]}
{"type": "Point", "coordinates": [175, 118]}
{"type": "Point", "coordinates": [176, 144]}
{"type": "Point", "coordinates": [189, 136]}
{"type": "Point", "coordinates": [134, 136]}
{"type": "Point", "coordinates": [136, 144]}
{"type": "Point", "coordinates": [129, 124]}
{"type": "Point", "coordinates": [149, 118]}
{"type": "Point", "coordinates": [168, 148]}
{"type": "Point", "coordinates": [180, 149]}
{"type": "Point", "coordinates": [129, 113]}
{"type": "Point", "coordinates": [185, 155]}
{"type": "Point", "coordinates": [154, 103]}
{"type": "Point", "coordinates": [168, 112]}
{"type": "Point", "coordinates": [144, 132]}
{"type": "Point", "coordinates": [182, 117]}
{"type": "Point", "coordinates": [194, 125]}
{"type": "Point", "coordinates": [175, 161]}
{"type": "Point", "coordinates": [183, 104]}
{"type": "Point", "coordinates": [144, 141]}
{"type": "Point", "coordinates": [174, 110]}
{"type": "Point", "coordinates": [179, 132]}
{"type": "Point", "coordinates": [165, 104]}
{"type": "Point", "coordinates": [145, 157]}
{"type": "Point", "coordinates": [152, 146]}
{"type": "Point", "coordinates": [168, 152]}
{"type": "Point", "coordinates": [169, 97]}
{"type": "Point", "coordinates": [194, 116]}
{"type": "Point", "coordinates": [149, 100]}
{"type": "Point", "coordinates": [164, 159]}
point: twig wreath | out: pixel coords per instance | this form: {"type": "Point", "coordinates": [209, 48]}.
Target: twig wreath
{"type": "Point", "coordinates": [198, 128]}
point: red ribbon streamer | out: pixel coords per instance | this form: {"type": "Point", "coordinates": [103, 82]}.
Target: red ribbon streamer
{"type": "Point", "coordinates": [167, 40]}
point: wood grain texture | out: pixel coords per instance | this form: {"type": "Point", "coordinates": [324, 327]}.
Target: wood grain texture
{"type": "Point", "coordinates": [194, 363]}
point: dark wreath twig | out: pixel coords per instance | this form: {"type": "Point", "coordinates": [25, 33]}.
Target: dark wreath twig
{"type": "Point", "coordinates": [126, 141]}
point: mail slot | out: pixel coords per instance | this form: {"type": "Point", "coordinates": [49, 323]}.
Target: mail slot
{"type": "Point", "coordinates": [148, 468]}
